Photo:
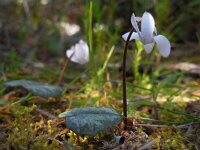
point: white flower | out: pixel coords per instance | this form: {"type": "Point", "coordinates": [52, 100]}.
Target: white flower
{"type": "Point", "coordinates": [148, 34]}
{"type": "Point", "coordinates": [79, 53]}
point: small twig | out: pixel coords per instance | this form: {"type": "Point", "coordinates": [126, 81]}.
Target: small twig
{"type": "Point", "coordinates": [183, 126]}
{"type": "Point", "coordinates": [45, 113]}
{"type": "Point", "coordinates": [151, 125]}
{"type": "Point", "coordinates": [187, 125]}
{"type": "Point", "coordinates": [147, 145]}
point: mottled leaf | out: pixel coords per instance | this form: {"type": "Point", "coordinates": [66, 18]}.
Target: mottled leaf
{"type": "Point", "coordinates": [62, 115]}
{"type": "Point", "coordinates": [40, 89]}
{"type": "Point", "coordinates": [91, 120]}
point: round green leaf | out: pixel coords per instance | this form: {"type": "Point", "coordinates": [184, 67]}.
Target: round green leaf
{"type": "Point", "coordinates": [91, 120]}
{"type": "Point", "coordinates": [40, 89]}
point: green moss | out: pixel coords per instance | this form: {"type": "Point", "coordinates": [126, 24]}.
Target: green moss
{"type": "Point", "coordinates": [27, 133]}
{"type": "Point", "coordinates": [171, 138]}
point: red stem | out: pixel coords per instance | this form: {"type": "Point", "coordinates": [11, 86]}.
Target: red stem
{"type": "Point", "coordinates": [63, 72]}
{"type": "Point", "coordinates": [124, 80]}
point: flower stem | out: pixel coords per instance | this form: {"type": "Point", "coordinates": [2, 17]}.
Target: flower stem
{"type": "Point", "coordinates": [60, 80]}
{"type": "Point", "coordinates": [124, 80]}
{"type": "Point", "coordinates": [156, 110]}
{"type": "Point", "coordinates": [156, 105]}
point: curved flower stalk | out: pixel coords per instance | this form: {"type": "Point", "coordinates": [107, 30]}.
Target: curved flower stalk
{"type": "Point", "coordinates": [149, 38]}
{"type": "Point", "coordinates": [148, 34]}
{"type": "Point", "coordinates": [79, 53]}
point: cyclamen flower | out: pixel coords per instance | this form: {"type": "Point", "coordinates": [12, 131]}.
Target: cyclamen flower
{"type": "Point", "coordinates": [79, 53]}
{"type": "Point", "coordinates": [148, 34]}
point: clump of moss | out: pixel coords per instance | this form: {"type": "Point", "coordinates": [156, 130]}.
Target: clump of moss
{"type": "Point", "coordinates": [31, 131]}
{"type": "Point", "coordinates": [170, 138]}
{"type": "Point", "coordinates": [21, 132]}
{"type": "Point", "coordinates": [44, 142]}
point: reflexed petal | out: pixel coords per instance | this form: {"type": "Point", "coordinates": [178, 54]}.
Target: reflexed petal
{"type": "Point", "coordinates": [85, 50]}
{"type": "Point", "coordinates": [147, 27]}
{"type": "Point", "coordinates": [79, 53]}
{"type": "Point", "coordinates": [163, 45]}
{"type": "Point", "coordinates": [74, 57]}
{"type": "Point", "coordinates": [134, 24]}
{"type": "Point", "coordinates": [70, 52]}
{"type": "Point", "coordinates": [82, 42]}
{"type": "Point", "coordinates": [84, 46]}
{"type": "Point", "coordinates": [148, 47]}
{"type": "Point", "coordinates": [138, 19]}
{"type": "Point", "coordinates": [133, 36]}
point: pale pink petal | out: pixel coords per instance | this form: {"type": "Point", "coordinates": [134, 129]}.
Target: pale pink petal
{"type": "Point", "coordinates": [163, 45]}
{"type": "Point", "coordinates": [81, 54]}
{"type": "Point", "coordinates": [134, 35]}
{"type": "Point", "coordinates": [147, 28]}
{"type": "Point", "coordinates": [81, 42]}
{"type": "Point", "coordinates": [134, 24]}
{"type": "Point", "coordinates": [148, 47]}
{"type": "Point", "coordinates": [85, 50]}
{"type": "Point", "coordinates": [74, 57]}
{"type": "Point", "coordinates": [138, 19]}
{"type": "Point", "coordinates": [70, 52]}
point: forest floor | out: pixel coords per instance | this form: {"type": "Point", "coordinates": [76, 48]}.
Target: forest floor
{"type": "Point", "coordinates": [31, 122]}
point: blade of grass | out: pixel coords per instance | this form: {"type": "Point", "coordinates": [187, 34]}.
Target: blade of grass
{"type": "Point", "coordinates": [101, 71]}
{"type": "Point", "coordinates": [129, 84]}
{"type": "Point", "coordinates": [74, 81]}
{"type": "Point", "coordinates": [180, 113]}
{"type": "Point", "coordinates": [160, 121]}
{"type": "Point", "coordinates": [90, 36]}
{"type": "Point", "coordinates": [24, 99]}
{"type": "Point", "coordinates": [191, 117]}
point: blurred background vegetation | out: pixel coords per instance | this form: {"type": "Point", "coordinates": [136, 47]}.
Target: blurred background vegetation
{"type": "Point", "coordinates": [43, 29]}
{"type": "Point", "coordinates": [34, 35]}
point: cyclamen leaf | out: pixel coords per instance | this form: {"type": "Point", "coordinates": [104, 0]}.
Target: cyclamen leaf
{"type": "Point", "coordinates": [62, 115]}
{"type": "Point", "coordinates": [40, 89]}
{"type": "Point", "coordinates": [91, 120]}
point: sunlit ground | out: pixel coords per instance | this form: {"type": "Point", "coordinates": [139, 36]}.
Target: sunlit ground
{"type": "Point", "coordinates": [34, 37]}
